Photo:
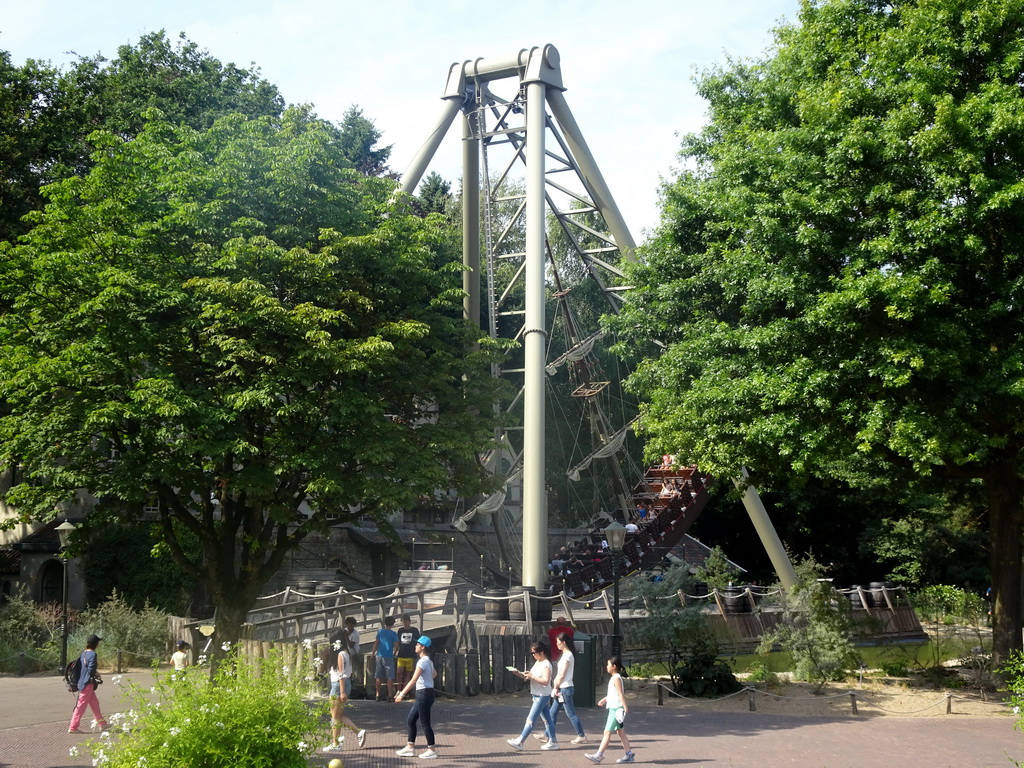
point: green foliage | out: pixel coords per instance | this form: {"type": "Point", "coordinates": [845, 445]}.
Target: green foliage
{"type": "Point", "coordinates": [940, 602]}
{"type": "Point", "coordinates": [703, 674]}
{"type": "Point", "coordinates": [838, 268]}
{"type": "Point", "coordinates": [127, 560]}
{"type": "Point", "coordinates": [141, 634]}
{"type": "Point", "coordinates": [250, 714]}
{"type": "Point", "coordinates": [47, 114]}
{"type": "Point", "coordinates": [1013, 673]}
{"type": "Point", "coordinates": [30, 629]}
{"type": "Point", "coordinates": [814, 628]}
{"type": "Point", "coordinates": [716, 571]}
{"type": "Point", "coordinates": [667, 626]}
{"type": "Point", "coordinates": [358, 141]}
{"type": "Point", "coordinates": [435, 194]}
{"type": "Point", "coordinates": [247, 330]}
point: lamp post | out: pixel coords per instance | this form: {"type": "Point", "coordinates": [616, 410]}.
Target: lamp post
{"type": "Point", "coordinates": [615, 535]}
{"type": "Point", "coordinates": [64, 534]}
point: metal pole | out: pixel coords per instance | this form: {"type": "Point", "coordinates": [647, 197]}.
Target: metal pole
{"type": "Point", "coordinates": [535, 513]}
{"type": "Point", "coordinates": [766, 531]}
{"type": "Point", "coordinates": [64, 619]}
{"type": "Point", "coordinates": [471, 219]}
{"type": "Point", "coordinates": [616, 637]}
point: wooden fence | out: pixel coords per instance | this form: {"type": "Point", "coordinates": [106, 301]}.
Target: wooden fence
{"type": "Point", "coordinates": [468, 673]}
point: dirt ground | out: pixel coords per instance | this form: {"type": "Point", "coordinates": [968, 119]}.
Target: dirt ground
{"type": "Point", "coordinates": [885, 698]}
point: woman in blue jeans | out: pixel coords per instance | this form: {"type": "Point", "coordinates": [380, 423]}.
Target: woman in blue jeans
{"type": "Point", "coordinates": [541, 675]}
{"type": "Point", "coordinates": [563, 689]}
{"type": "Point", "coordinates": [423, 682]}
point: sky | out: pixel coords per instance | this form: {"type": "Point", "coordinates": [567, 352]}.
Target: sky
{"type": "Point", "coordinates": [628, 67]}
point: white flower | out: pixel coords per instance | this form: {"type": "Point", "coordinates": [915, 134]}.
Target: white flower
{"type": "Point", "coordinates": [307, 644]}
{"type": "Point", "coordinates": [225, 646]}
{"type": "Point", "coordinates": [105, 735]}
{"type": "Point", "coordinates": [303, 746]}
{"type": "Point", "coordinates": [116, 679]}
{"type": "Point", "coordinates": [337, 645]}
{"type": "Point", "coordinates": [284, 669]}
{"type": "Point", "coordinates": [73, 752]}
{"type": "Point", "coordinates": [220, 725]}
{"type": "Point", "coordinates": [175, 731]}
{"type": "Point", "coordinates": [93, 724]}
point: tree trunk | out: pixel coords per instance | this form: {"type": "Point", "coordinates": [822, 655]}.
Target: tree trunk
{"type": "Point", "coordinates": [1006, 513]}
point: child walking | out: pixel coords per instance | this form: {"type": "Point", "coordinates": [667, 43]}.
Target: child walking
{"type": "Point", "coordinates": [615, 702]}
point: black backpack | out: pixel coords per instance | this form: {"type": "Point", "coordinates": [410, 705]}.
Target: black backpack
{"type": "Point", "coordinates": [71, 674]}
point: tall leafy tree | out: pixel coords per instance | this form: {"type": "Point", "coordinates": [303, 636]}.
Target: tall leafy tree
{"type": "Point", "coordinates": [234, 326]}
{"type": "Point", "coordinates": [47, 114]}
{"type": "Point", "coordinates": [838, 273]}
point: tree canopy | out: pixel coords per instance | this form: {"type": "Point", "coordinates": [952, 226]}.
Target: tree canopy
{"type": "Point", "coordinates": [47, 114]}
{"type": "Point", "coordinates": [234, 325]}
{"type": "Point", "coordinates": [837, 276]}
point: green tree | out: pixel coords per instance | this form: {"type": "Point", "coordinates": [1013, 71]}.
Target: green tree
{"type": "Point", "coordinates": [48, 114]}
{"type": "Point", "coordinates": [129, 559]}
{"type": "Point", "coordinates": [435, 194]}
{"type": "Point", "coordinates": [814, 627]}
{"type": "Point", "coordinates": [358, 139]}
{"type": "Point", "coordinates": [838, 274]}
{"type": "Point", "coordinates": [231, 325]}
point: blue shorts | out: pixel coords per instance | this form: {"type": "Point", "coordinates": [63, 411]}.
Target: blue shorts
{"type": "Point", "coordinates": [385, 669]}
{"type": "Point", "coordinates": [336, 687]}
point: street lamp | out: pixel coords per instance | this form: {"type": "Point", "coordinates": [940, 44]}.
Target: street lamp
{"type": "Point", "coordinates": [64, 531]}
{"type": "Point", "coordinates": [615, 535]}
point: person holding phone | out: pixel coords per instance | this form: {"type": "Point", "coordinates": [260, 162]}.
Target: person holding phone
{"type": "Point", "coordinates": [541, 675]}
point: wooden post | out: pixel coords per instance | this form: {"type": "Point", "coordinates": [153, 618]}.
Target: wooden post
{"type": "Point", "coordinates": [752, 699]}
{"type": "Point", "coordinates": [949, 703]}
{"type": "Point", "coordinates": [661, 694]}
{"type": "Point", "coordinates": [853, 701]}
{"type": "Point", "coordinates": [473, 666]}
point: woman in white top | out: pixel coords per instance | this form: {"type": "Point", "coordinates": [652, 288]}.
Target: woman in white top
{"type": "Point", "coordinates": [563, 688]}
{"type": "Point", "coordinates": [541, 675]}
{"type": "Point", "coordinates": [617, 707]}
{"type": "Point", "coordinates": [423, 681]}
{"type": "Point", "coordinates": [341, 688]}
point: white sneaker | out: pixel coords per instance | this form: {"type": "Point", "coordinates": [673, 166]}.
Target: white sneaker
{"type": "Point", "coordinates": [429, 754]}
{"type": "Point", "coordinates": [361, 738]}
{"type": "Point", "coordinates": [514, 744]}
{"type": "Point", "coordinates": [406, 751]}
{"type": "Point", "coordinates": [579, 740]}
{"type": "Point", "coordinates": [551, 745]}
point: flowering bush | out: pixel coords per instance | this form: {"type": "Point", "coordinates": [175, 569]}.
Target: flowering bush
{"type": "Point", "coordinates": [250, 713]}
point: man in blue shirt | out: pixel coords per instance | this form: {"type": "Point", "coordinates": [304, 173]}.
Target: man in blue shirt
{"type": "Point", "coordinates": [384, 650]}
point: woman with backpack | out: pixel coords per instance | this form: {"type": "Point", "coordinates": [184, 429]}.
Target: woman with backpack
{"type": "Point", "coordinates": [88, 679]}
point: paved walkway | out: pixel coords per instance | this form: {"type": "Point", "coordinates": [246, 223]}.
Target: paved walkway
{"type": "Point", "coordinates": [34, 714]}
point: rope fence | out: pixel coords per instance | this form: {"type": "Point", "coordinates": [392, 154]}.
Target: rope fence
{"type": "Point", "coordinates": [854, 697]}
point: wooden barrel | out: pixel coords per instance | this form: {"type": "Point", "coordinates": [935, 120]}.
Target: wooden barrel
{"type": "Point", "coordinates": [496, 605]}
{"type": "Point", "coordinates": [517, 603]}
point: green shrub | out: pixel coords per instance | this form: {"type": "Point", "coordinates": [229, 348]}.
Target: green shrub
{"type": "Point", "coordinates": [141, 635]}
{"type": "Point", "coordinates": [703, 674]}
{"type": "Point", "coordinates": [31, 629]}
{"type": "Point", "coordinates": [250, 714]}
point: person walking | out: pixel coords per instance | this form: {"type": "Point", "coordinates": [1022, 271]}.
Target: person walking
{"type": "Point", "coordinates": [423, 682]}
{"type": "Point", "coordinates": [617, 707]}
{"type": "Point", "coordinates": [179, 659]}
{"type": "Point", "coordinates": [384, 651]}
{"type": "Point", "coordinates": [563, 688]}
{"type": "Point", "coordinates": [541, 675]}
{"type": "Point", "coordinates": [341, 688]}
{"type": "Point", "coordinates": [88, 679]}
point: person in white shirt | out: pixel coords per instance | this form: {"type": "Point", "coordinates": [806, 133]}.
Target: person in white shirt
{"type": "Point", "coordinates": [617, 707]}
{"type": "Point", "coordinates": [541, 675]}
{"type": "Point", "coordinates": [180, 657]}
{"type": "Point", "coordinates": [563, 688]}
{"type": "Point", "coordinates": [423, 681]}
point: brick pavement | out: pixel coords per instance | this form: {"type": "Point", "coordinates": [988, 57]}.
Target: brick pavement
{"type": "Point", "coordinates": [34, 712]}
